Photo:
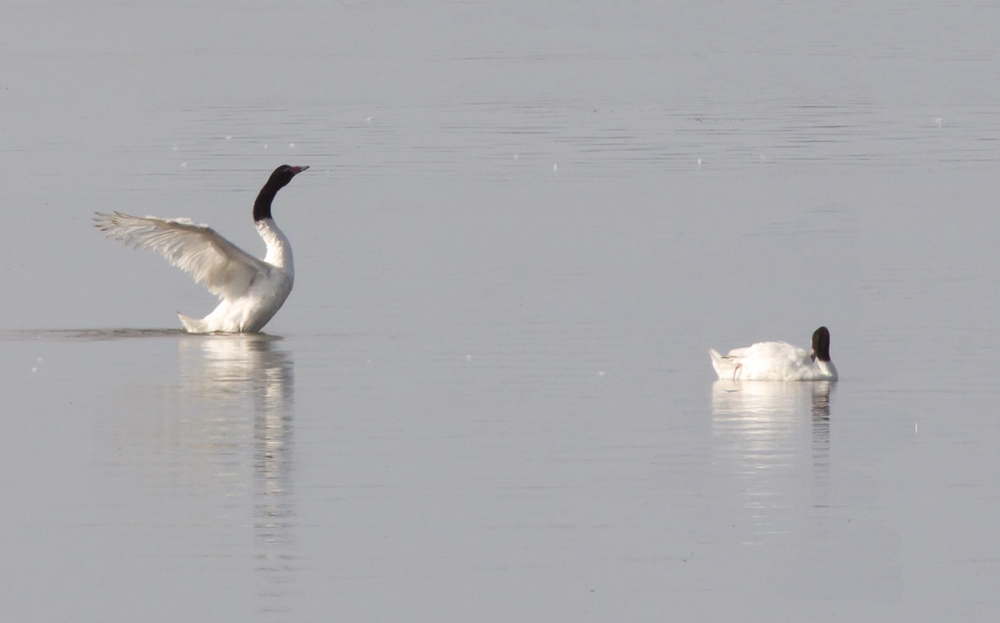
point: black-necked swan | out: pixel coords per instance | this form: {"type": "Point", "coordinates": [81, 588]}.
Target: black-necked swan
{"type": "Point", "coordinates": [250, 290]}
{"type": "Point", "coordinates": [778, 361]}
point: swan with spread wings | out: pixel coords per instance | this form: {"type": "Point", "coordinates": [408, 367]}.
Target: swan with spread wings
{"type": "Point", "coordinates": [250, 290]}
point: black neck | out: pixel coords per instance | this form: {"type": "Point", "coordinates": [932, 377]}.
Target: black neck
{"type": "Point", "coordinates": [262, 207]}
{"type": "Point", "coordinates": [821, 344]}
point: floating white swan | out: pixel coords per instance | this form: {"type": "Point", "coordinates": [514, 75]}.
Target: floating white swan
{"type": "Point", "coordinates": [251, 290]}
{"type": "Point", "coordinates": [778, 361]}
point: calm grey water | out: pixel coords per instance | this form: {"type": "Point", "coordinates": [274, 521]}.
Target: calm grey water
{"type": "Point", "coordinates": [489, 397]}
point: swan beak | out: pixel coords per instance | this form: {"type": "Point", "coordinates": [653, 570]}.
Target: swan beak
{"type": "Point", "coordinates": [297, 170]}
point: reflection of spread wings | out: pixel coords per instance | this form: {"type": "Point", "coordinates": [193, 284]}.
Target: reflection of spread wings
{"type": "Point", "coordinates": [222, 267]}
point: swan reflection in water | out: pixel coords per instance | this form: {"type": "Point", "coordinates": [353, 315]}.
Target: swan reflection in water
{"type": "Point", "coordinates": [250, 374]}
{"type": "Point", "coordinates": [771, 435]}
{"type": "Point", "coordinates": [772, 397]}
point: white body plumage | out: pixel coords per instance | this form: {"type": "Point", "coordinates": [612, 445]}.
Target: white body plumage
{"type": "Point", "coordinates": [264, 295]}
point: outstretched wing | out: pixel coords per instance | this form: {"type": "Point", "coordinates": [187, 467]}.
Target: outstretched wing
{"type": "Point", "coordinates": [213, 261]}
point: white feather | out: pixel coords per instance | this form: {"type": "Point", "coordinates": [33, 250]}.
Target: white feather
{"type": "Point", "coordinates": [251, 290]}
{"type": "Point", "coordinates": [222, 267]}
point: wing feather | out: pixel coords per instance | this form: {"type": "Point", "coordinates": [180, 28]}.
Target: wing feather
{"type": "Point", "coordinates": [222, 267]}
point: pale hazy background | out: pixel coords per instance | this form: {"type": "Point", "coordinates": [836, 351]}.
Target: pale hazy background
{"type": "Point", "coordinates": [489, 397]}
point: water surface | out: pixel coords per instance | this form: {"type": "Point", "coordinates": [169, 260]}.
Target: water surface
{"type": "Point", "coordinates": [489, 396]}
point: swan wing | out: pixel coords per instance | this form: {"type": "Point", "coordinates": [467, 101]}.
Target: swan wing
{"type": "Point", "coordinates": [222, 267]}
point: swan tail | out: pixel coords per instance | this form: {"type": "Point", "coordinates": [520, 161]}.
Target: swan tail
{"type": "Point", "coordinates": [724, 366]}
{"type": "Point", "coordinates": [193, 325]}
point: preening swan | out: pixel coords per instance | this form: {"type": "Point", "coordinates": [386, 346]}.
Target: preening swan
{"type": "Point", "coordinates": [778, 361]}
{"type": "Point", "coordinates": [250, 290]}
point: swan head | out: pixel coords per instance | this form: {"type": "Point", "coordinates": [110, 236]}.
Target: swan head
{"type": "Point", "coordinates": [284, 174]}
{"type": "Point", "coordinates": [278, 180]}
{"type": "Point", "coordinates": [821, 344]}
